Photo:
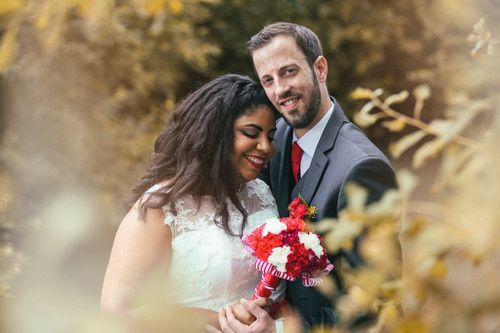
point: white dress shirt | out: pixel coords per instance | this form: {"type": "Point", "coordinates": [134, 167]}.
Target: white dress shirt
{"type": "Point", "coordinates": [309, 141]}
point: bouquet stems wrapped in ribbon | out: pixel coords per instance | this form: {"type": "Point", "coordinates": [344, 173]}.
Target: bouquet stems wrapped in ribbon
{"type": "Point", "coordinates": [284, 249]}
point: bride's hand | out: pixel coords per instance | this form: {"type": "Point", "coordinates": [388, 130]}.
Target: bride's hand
{"type": "Point", "coordinates": [244, 316]}
{"type": "Point", "coordinates": [262, 324]}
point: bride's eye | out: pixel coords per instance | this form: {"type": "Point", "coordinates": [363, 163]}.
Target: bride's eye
{"type": "Point", "coordinates": [250, 134]}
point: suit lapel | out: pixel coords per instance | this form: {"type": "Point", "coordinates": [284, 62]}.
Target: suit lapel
{"type": "Point", "coordinates": [308, 184]}
{"type": "Point", "coordinates": [284, 179]}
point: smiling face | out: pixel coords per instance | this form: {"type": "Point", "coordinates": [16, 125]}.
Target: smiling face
{"type": "Point", "coordinates": [253, 142]}
{"type": "Point", "coordinates": [290, 83]}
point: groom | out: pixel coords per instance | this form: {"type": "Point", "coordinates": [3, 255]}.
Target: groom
{"type": "Point", "coordinates": [318, 150]}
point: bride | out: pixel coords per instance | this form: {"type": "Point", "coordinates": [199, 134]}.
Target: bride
{"type": "Point", "coordinates": [198, 196]}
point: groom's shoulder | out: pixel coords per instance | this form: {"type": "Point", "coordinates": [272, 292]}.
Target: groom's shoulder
{"type": "Point", "coordinates": [281, 126]}
{"type": "Point", "coordinates": [280, 135]}
{"type": "Point", "coordinates": [356, 144]}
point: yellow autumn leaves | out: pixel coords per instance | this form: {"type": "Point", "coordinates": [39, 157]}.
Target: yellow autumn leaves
{"type": "Point", "coordinates": [50, 17]}
{"type": "Point", "coordinates": [449, 229]}
{"type": "Point", "coordinates": [8, 6]}
{"type": "Point", "coordinates": [7, 47]}
{"type": "Point", "coordinates": [444, 131]}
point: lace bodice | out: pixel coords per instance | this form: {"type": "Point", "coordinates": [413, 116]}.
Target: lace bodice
{"type": "Point", "coordinates": [209, 268]}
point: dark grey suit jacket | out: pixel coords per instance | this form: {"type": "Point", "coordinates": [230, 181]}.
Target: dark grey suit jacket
{"type": "Point", "coordinates": [344, 154]}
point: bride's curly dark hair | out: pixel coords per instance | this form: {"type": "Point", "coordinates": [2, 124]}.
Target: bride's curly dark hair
{"type": "Point", "coordinates": [192, 154]}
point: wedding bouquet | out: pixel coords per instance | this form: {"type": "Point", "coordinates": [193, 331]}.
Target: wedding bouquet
{"type": "Point", "coordinates": [285, 249]}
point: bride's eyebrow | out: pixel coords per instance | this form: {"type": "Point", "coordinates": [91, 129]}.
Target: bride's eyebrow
{"type": "Point", "coordinates": [254, 126]}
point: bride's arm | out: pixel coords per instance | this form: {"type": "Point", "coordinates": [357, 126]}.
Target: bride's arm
{"type": "Point", "coordinates": [140, 246]}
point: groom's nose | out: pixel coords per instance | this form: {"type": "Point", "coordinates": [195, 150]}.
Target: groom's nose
{"type": "Point", "coordinates": [281, 88]}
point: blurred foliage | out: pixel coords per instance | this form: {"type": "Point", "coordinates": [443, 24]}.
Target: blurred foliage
{"type": "Point", "coordinates": [450, 214]}
{"type": "Point", "coordinates": [85, 86]}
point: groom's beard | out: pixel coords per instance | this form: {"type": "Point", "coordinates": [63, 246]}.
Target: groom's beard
{"type": "Point", "coordinates": [311, 108]}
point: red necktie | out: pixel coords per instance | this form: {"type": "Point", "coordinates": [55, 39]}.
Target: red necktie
{"type": "Point", "coordinates": [296, 157]}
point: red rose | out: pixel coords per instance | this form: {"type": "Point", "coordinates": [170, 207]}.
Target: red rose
{"type": "Point", "coordinates": [298, 224]}
{"type": "Point", "coordinates": [265, 245]}
{"type": "Point", "coordinates": [290, 237]}
{"type": "Point", "coordinates": [297, 260]}
{"type": "Point", "coordinates": [295, 202]}
{"type": "Point", "coordinates": [293, 223]}
{"type": "Point", "coordinates": [300, 211]}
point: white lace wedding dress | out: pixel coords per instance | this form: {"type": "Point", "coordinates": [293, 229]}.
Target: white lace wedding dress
{"type": "Point", "coordinates": [209, 268]}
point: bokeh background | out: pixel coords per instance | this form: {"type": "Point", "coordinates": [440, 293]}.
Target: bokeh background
{"type": "Point", "coordinates": [85, 86]}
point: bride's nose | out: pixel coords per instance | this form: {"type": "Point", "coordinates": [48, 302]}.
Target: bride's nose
{"type": "Point", "coordinates": [264, 145]}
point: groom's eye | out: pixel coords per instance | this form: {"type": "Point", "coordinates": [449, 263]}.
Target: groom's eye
{"type": "Point", "coordinates": [267, 82]}
{"type": "Point", "coordinates": [289, 71]}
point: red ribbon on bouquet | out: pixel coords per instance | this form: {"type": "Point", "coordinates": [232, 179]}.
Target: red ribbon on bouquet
{"type": "Point", "coordinates": [266, 286]}
{"type": "Point", "coordinates": [284, 249]}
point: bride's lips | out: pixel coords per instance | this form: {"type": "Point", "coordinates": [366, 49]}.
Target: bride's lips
{"type": "Point", "coordinates": [256, 162]}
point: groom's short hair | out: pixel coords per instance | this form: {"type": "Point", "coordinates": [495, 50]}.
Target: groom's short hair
{"type": "Point", "coordinates": [305, 38]}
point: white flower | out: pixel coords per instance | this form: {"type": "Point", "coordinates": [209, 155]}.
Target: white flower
{"type": "Point", "coordinates": [279, 257]}
{"type": "Point", "coordinates": [274, 226]}
{"type": "Point", "coordinates": [311, 242]}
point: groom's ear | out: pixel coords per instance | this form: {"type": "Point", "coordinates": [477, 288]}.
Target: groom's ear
{"type": "Point", "coordinates": [321, 68]}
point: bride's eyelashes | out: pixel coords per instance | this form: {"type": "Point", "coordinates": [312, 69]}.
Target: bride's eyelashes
{"type": "Point", "coordinates": [251, 135]}
{"type": "Point", "coordinates": [255, 135]}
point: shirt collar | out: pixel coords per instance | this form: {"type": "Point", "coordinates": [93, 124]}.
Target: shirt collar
{"type": "Point", "coordinates": [309, 141]}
